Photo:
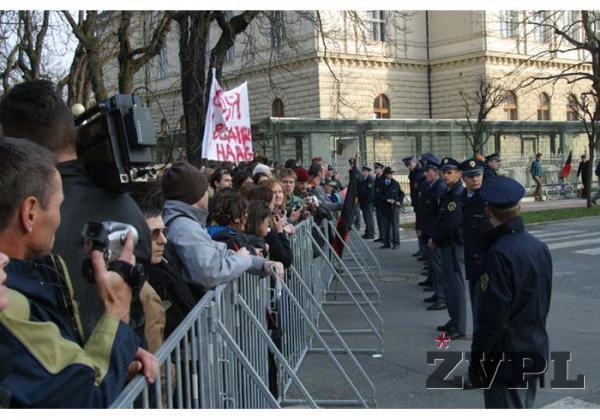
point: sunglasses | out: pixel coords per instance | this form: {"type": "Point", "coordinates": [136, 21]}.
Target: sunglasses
{"type": "Point", "coordinates": [155, 233]}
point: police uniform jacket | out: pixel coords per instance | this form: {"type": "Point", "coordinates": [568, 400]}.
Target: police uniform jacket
{"type": "Point", "coordinates": [53, 367]}
{"type": "Point", "coordinates": [449, 223]}
{"type": "Point", "coordinates": [415, 177]}
{"type": "Point", "coordinates": [378, 184]}
{"type": "Point", "coordinates": [514, 302]}
{"type": "Point", "coordinates": [428, 205]}
{"type": "Point", "coordinates": [390, 191]}
{"type": "Point", "coordinates": [487, 172]}
{"type": "Point", "coordinates": [476, 225]}
{"type": "Point", "coordinates": [366, 190]}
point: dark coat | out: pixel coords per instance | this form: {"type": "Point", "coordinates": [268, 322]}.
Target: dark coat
{"type": "Point", "coordinates": [428, 207]}
{"type": "Point", "coordinates": [488, 172]}
{"type": "Point", "coordinates": [415, 178]}
{"type": "Point", "coordinates": [392, 191]}
{"type": "Point", "coordinates": [366, 191]}
{"type": "Point", "coordinates": [475, 227]}
{"type": "Point", "coordinates": [83, 202]}
{"type": "Point", "coordinates": [582, 170]}
{"type": "Point", "coordinates": [449, 225]}
{"type": "Point", "coordinates": [378, 186]}
{"type": "Point", "coordinates": [516, 289]}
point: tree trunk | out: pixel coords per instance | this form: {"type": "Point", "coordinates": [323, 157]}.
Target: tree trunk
{"type": "Point", "coordinates": [590, 171]}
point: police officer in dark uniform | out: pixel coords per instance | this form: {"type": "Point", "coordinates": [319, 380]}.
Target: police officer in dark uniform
{"type": "Point", "coordinates": [448, 237]}
{"type": "Point", "coordinates": [430, 192]}
{"type": "Point", "coordinates": [415, 176]}
{"type": "Point", "coordinates": [492, 165]}
{"type": "Point", "coordinates": [391, 197]}
{"type": "Point", "coordinates": [516, 289]}
{"type": "Point", "coordinates": [378, 167]}
{"type": "Point", "coordinates": [476, 225]}
{"type": "Point", "coordinates": [366, 196]}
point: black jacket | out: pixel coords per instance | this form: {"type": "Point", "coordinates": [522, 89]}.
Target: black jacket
{"type": "Point", "coordinates": [428, 206]}
{"type": "Point", "coordinates": [475, 226]}
{"type": "Point", "coordinates": [488, 172]}
{"type": "Point", "coordinates": [279, 248]}
{"type": "Point", "coordinates": [415, 177]}
{"type": "Point", "coordinates": [516, 289]}
{"type": "Point", "coordinates": [582, 170]}
{"type": "Point", "coordinates": [449, 223]}
{"type": "Point", "coordinates": [366, 191]}
{"type": "Point", "coordinates": [391, 191]}
{"type": "Point", "coordinates": [378, 185]}
{"type": "Point", "coordinates": [83, 202]}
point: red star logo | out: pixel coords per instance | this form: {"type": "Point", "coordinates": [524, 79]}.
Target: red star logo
{"type": "Point", "coordinates": [442, 341]}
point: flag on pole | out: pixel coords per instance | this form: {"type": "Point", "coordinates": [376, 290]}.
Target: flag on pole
{"type": "Point", "coordinates": [344, 223]}
{"type": "Point", "coordinates": [566, 170]}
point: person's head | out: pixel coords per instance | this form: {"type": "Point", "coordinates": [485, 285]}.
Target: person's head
{"type": "Point", "coordinates": [262, 168]}
{"type": "Point", "coordinates": [538, 156]}
{"type": "Point", "coordinates": [328, 187]}
{"type": "Point", "coordinates": [259, 217]}
{"type": "Point", "coordinates": [493, 161]}
{"type": "Point", "coordinates": [288, 181]}
{"type": "Point", "coordinates": [262, 193]}
{"type": "Point", "coordinates": [431, 173]}
{"type": "Point", "coordinates": [388, 172]}
{"type": "Point", "coordinates": [301, 179]}
{"type": "Point", "coordinates": [277, 190]}
{"type": "Point", "coordinates": [450, 171]}
{"type": "Point", "coordinates": [229, 209]}
{"type": "Point", "coordinates": [36, 111]}
{"type": "Point", "coordinates": [583, 158]}
{"type": "Point", "coordinates": [30, 198]}
{"type": "Point", "coordinates": [241, 177]}
{"type": "Point", "coordinates": [259, 177]}
{"type": "Point", "coordinates": [378, 168]}
{"type": "Point", "coordinates": [365, 171]}
{"type": "Point", "coordinates": [291, 163]}
{"type": "Point", "coordinates": [410, 162]}
{"type": "Point", "coordinates": [158, 231]}
{"type": "Point", "coordinates": [503, 196]}
{"type": "Point", "coordinates": [186, 183]}
{"type": "Point", "coordinates": [3, 296]}
{"type": "Point", "coordinates": [472, 173]}
{"type": "Point", "coordinates": [221, 178]}
{"type": "Point", "coordinates": [316, 172]}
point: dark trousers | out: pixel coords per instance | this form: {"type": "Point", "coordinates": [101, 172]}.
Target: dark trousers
{"type": "Point", "coordinates": [379, 217]}
{"type": "Point", "coordinates": [474, 290]}
{"type": "Point", "coordinates": [453, 274]}
{"type": "Point", "coordinates": [391, 226]}
{"type": "Point", "coordinates": [435, 265]}
{"type": "Point", "coordinates": [501, 396]}
{"type": "Point", "coordinates": [356, 221]}
{"type": "Point", "coordinates": [367, 212]}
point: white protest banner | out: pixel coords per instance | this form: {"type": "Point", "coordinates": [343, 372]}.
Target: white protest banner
{"type": "Point", "coordinates": [227, 135]}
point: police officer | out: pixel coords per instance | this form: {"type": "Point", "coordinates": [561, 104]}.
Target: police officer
{"type": "Point", "coordinates": [492, 165]}
{"type": "Point", "coordinates": [377, 203]}
{"type": "Point", "coordinates": [415, 177]}
{"type": "Point", "coordinates": [431, 190]}
{"type": "Point", "coordinates": [448, 237]}
{"type": "Point", "coordinates": [515, 288]}
{"type": "Point", "coordinates": [366, 196]}
{"type": "Point", "coordinates": [475, 225]}
{"type": "Point", "coordinates": [391, 197]}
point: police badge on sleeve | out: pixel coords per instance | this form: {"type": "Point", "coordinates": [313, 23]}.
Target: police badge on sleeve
{"type": "Point", "coordinates": [484, 280]}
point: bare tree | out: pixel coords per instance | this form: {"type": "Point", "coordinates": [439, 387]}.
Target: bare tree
{"type": "Point", "coordinates": [478, 104]}
{"type": "Point", "coordinates": [575, 32]}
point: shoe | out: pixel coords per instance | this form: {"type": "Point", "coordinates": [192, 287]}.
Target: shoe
{"type": "Point", "coordinates": [384, 247]}
{"type": "Point", "coordinates": [378, 240]}
{"type": "Point", "coordinates": [455, 335]}
{"type": "Point", "coordinates": [425, 273]}
{"type": "Point", "coordinates": [421, 259]}
{"type": "Point", "coordinates": [417, 254]}
{"type": "Point", "coordinates": [424, 283]}
{"type": "Point", "coordinates": [430, 299]}
{"type": "Point", "coordinates": [395, 246]}
{"type": "Point", "coordinates": [428, 289]}
{"type": "Point", "coordinates": [443, 328]}
{"type": "Point", "coordinates": [437, 307]}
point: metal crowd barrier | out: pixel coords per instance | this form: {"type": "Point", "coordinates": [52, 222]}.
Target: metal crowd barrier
{"type": "Point", "coordinates": [226, 355]}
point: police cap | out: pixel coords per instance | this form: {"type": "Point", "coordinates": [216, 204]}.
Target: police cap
{"type": "Point", "coordinates": [492, 157]}
{"type": "Point", "coordinates": [431, 162]}
{"type": "Point", "coordinates": [448, 164]}
{"type": "Point", "coordinates": [366, 168]}
{"type": "Point", "coordinates": [377, 165]}
{"type": "Point", "coordinates": [388, 170]}
{"type": "Point", "coordinates": [471, 167]}
{"type": "Point", "coordinates": [501, 192]}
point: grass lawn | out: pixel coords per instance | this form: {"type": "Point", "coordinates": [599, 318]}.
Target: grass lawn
{"type": "Point", "coordinates": [543, 216]}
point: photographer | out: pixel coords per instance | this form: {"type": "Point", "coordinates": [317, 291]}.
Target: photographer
{"type": "Point", "coordinates": [35, 111]}
{"type": "Point", "coordinates": [204, 261]}
{"type": "Point", "coordinates": [55, 367]}
{"type": "Point", "coordinates": [316, 173]}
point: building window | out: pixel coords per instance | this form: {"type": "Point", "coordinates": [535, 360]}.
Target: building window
{"type": "Point", "coordinates": [572, 108]}
{"type": "Point", "coordinates": [181, 124]}
{"type": "Point", "coordinates": [510, 106]}
{"type": "Point", "coordinates": [376, 21]}
{"type": "Point", "coordinates": [276, 30]}
{"type": "Point", "coordinates": [544, 107]}
{"type": "Point", "coordinates": [572, 24]}
{"type": "Point", "coordinates": [381, 107]}
{"type": "Point", "coordinates": [163, 63]}
{"type": "Point", "coordinates": [509, 23]}
{"type": "Point", "coordinates": [540, 32]}
{"type": "Point", "coordinates": [277, 108]}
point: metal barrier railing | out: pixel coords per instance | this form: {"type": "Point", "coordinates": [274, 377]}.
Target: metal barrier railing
{"type": "Point", "coordinates": [223, 355]}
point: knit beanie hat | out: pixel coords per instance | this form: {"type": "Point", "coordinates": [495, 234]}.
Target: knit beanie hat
{"type": "Point", "coordinates": [184, 182]}
{"type": "Point", "coordinates": [261, 168]}
{"type": "Point", "coordinates": [301, 174]}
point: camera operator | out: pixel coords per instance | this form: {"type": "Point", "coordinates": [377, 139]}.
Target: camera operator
{"type": "Point", "coordinates": [205, 262]}
{"type": "Point", "coordinates": [35, 111]}
{"type": "Point", "coordinates": [54, 366]}
{"type": "Point", "coordinates": [316, 173]}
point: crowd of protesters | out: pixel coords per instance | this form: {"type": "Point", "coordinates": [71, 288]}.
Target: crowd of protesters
{"type": "Point", "coordinates": [68, 341]}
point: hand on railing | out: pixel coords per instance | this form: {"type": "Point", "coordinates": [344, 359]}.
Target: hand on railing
{"type": "Point", "coordinates": [146, 361]}
{"type": "Point", "coordinates": [274, 268]}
